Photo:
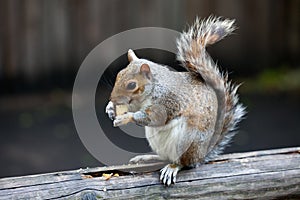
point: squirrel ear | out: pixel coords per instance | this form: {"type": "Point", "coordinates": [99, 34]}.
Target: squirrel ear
{"type": "Point", "coordinates": [145, 70]}
{"type": "Point", "coordinates": [131, 56]}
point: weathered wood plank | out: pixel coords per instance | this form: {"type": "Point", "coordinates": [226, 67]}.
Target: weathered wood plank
{"type": "Point", "coordinates": [261, 175]}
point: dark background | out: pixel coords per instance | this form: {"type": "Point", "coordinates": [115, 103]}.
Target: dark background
{"type": "Point", "coordinates": [42, 44]}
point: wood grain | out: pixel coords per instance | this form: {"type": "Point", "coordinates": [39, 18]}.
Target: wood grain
{"type": "Point", "coordinates": [271, 174]}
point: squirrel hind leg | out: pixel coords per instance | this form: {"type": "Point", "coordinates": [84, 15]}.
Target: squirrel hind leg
{"type": "Point", "coordinates": [168, 174]}
{"type": "Point", "coordinates": [144, 158]}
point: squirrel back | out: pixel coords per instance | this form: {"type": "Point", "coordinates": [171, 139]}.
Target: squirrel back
{"type": "Point", "coordinates": [194, 57]}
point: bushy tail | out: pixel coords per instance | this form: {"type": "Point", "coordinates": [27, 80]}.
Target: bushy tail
{"type": "Point", "coordinates": [192, 53]}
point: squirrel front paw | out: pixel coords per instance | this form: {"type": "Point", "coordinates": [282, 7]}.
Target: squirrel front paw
{"type": "Point", "coordinates": [123, 119]}
{"type": "Point", "coordinates": [110, 110]}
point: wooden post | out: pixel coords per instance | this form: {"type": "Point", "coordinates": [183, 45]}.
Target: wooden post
{"type": "Point", "coordinates": [254, 175]}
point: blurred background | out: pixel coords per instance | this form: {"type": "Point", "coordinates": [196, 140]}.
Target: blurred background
{"type": "Point", "coordinates": [43, 43]}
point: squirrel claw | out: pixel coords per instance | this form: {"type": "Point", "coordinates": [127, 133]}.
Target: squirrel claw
{"type": "Point", "coordinates": [110, 110]}
{"type": "Point", "coordinates": [168, 174]}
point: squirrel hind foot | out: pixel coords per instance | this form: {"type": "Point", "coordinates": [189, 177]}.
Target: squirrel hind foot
{"type": "Point", "coordinates": [144, 158]}
{"type": "Point", "coordinates": [168, 174]}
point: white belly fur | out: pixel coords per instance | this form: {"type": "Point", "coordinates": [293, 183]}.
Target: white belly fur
{"type": "Point", "coordinates": [167, 140]}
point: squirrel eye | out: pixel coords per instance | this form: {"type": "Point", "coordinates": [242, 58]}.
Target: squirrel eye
{"type": "Point", "coordinates": [131, 86]}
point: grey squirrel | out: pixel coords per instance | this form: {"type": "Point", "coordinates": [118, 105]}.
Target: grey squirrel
{"type": "Point", "coordinates": [189, 117]}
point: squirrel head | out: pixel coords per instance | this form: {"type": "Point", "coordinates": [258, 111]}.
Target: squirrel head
{"type": "Point", "coordinates": [133, 83]}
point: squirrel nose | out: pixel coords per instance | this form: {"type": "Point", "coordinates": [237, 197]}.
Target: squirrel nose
{"type": "Point", "coordinates": [120, 100]}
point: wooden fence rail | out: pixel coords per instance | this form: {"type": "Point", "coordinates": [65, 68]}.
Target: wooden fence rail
{"type": "Point", "coordinates": [271, 174]}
